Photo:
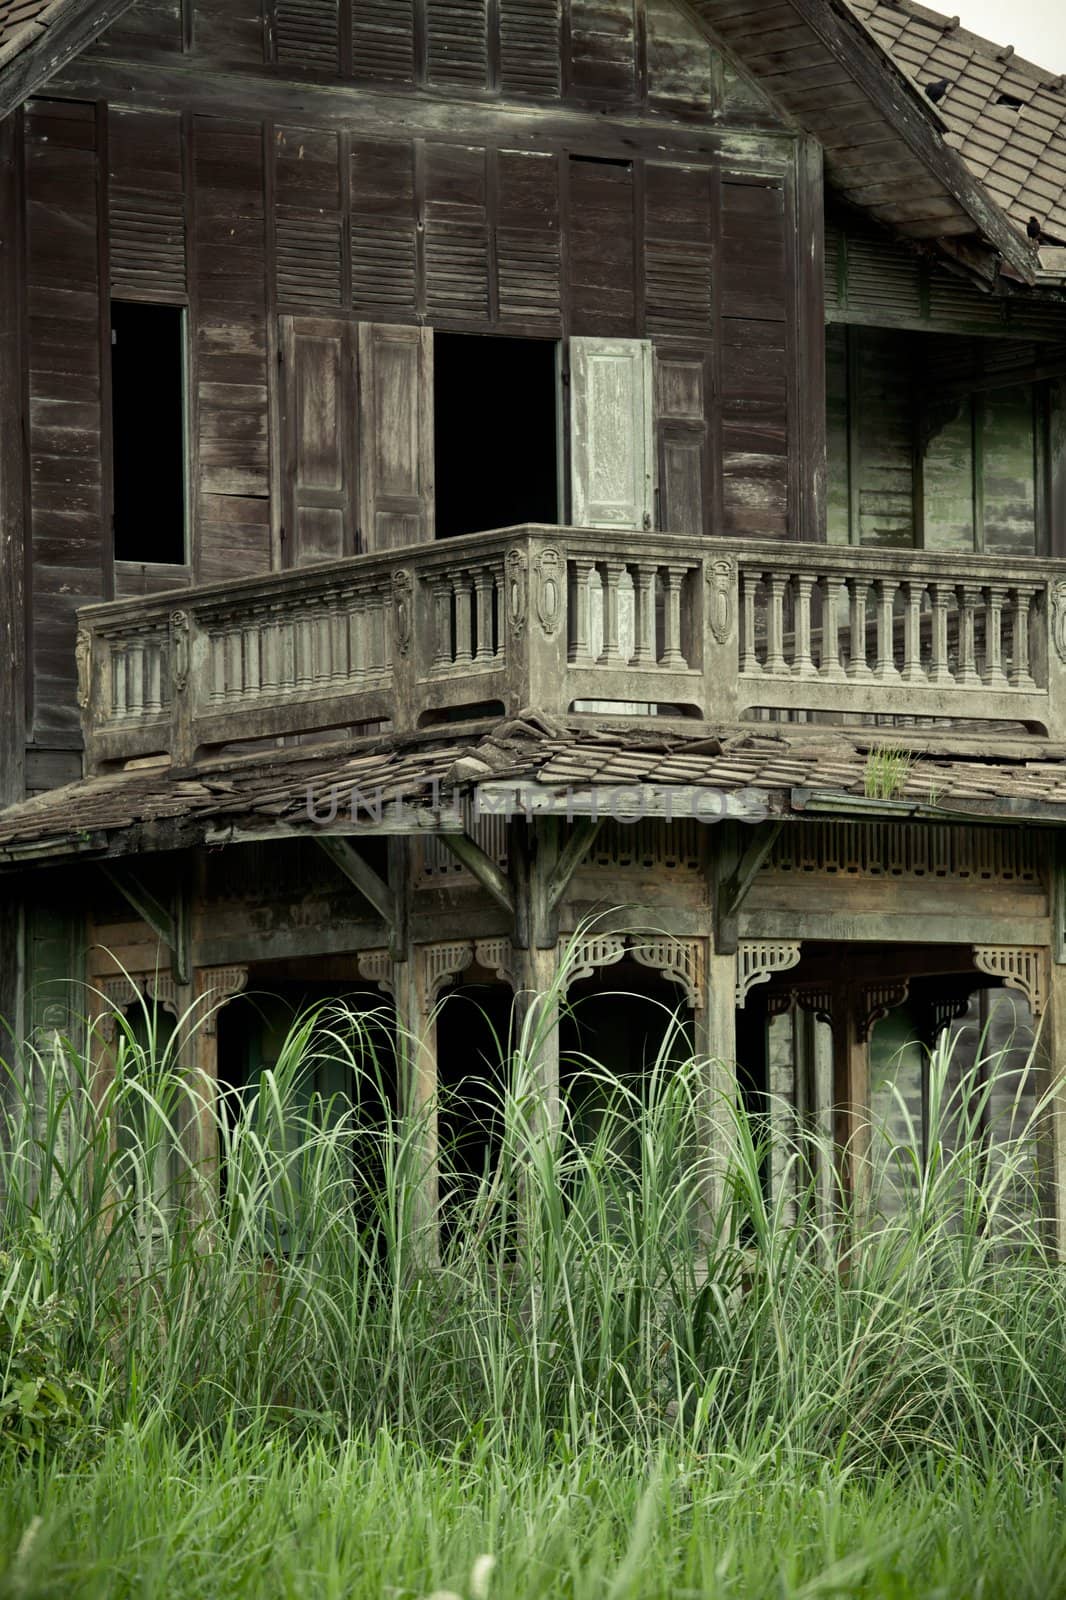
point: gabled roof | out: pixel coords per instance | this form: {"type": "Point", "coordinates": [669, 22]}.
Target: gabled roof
{"type": "Point", "coordinates": [1005, 116]}
{"type": "Point", "coordinates": [39, 37]}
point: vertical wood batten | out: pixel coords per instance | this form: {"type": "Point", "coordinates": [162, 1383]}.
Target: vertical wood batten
{"type": "Point", "coordinates": [13, 597]}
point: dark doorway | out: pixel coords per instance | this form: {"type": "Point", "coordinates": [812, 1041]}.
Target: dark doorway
{"type": "Point", "coordinates": [496, 424]}
{"type": "Point", "coordinates": [148, 421]}
{"type": "Point", "coordinates": [473, 1029]}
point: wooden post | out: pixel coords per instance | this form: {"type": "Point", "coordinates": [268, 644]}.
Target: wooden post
{"type": "Point", "coordinates": [12, 475]}
{"type": "Point", "coordinates": [851, 1090]}
{"type": "Point", "coordinates": [1053, 1141]}
{"type": "Point", "coordinates": [716, 1042]}
{"type": "Point", "coordinates": [533, 854]}
{"type": "Point", "coordinates": [416, 1058]}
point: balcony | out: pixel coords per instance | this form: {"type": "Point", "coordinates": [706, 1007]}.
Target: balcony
{"type": "Point", "coordinates": [568, 619]}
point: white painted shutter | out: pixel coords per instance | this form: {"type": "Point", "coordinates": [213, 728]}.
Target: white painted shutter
{"type": "Point", "coordinates": [612, 466]}
{"type": "Point", "coordinates": [612, 451]}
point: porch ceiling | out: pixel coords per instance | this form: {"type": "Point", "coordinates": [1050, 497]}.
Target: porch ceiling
{"type": "Point", "coordinates": [573, 766]}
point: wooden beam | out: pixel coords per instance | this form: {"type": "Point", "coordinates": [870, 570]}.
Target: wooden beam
{"type": "Point", "coordinates": [586, 831]}
{"type": "Point", "coordinates": [734, 891]}
{"type": "Point", "coordinates": [72, 29]}
{"type": "Point", "coordinates": [482, 867]}
{"type": "Point", "coordinates": [170, 926]}
{"type": "Point", "coordinates": [346, 857]}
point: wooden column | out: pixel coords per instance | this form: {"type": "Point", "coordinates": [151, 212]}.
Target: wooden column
{"type": "Point", "coordinates": [414, 993]}
{"type": "Point", "coordinates": [12, 475]}
{"type": "Point", "coordinates": [851, 1089]}
{"type": "Point", "coordinates": [1053, 1084]}
{"type": "Point", "coordinates": [533, 855]}
{"type": "Point", "coordinates": [716, 1042]}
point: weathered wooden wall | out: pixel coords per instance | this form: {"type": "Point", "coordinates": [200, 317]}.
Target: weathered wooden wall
{"type": "Point", "coordinates": [538, 170]}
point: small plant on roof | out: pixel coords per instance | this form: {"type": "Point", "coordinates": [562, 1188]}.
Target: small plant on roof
{"type": "Point", "coordinates": [887, 772]}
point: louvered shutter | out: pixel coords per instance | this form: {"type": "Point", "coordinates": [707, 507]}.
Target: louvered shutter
{"type": "Point", "coordinates": [318, 418]}
{"type": "Point", "coordinates": [612, 448]}
{"type": "Point", "coordinates": [395, 435]}
{"type": "Point", "coordinates": [531, 48]}
{"type": "Point", "coordinates": [457, 43]}
{"type": "Point", "coordinates": [307, 34]}
{"type": "Point", "coordinates": [682, 404]}
{"type": "Point", "coordinates": [383, 40]}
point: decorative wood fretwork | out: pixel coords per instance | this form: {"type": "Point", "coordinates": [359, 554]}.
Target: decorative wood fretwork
{"type": "Point", "coordinates": [652, 845]}
{"type": "Point", "coordinates": [759, 959]}
{"type": "Point", "coordinates": [682, 961]}
{"type": "Point", "coordinates": [1020, 966]}
{"type": "Point", "coordinates": [440, 964]}
{"type": "Point", "coordinates": [496, 955]}
{"type": "Point", "coordinates": [216, 985]}
{"type": "Point", "coordinates": [592, 951]}
{"type": "Point", "coordinates": [817, 1001]}
{"type": "Point", "coordinates": [376, 966]}
{"type": "Point", "coordinates": [907, 851]}
{"type": "Point", "coordinates": [127, 989]}
{"type": "Point", "coordinates": [876, 1001]}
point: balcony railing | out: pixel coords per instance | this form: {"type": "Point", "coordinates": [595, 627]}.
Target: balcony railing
{"type": "Point", "coordinates": [565, 619]}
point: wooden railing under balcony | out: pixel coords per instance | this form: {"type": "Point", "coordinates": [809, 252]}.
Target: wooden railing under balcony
{"type": "Point", "coordinates": [568, 618]}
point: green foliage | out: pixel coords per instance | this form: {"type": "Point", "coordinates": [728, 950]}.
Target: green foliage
{"type": "Point", "coordinates": [627, 1373]}
{"type": "Point", "coordinates": [39, 1394]}
{"type": "Point", "coordinates": [886, 773]}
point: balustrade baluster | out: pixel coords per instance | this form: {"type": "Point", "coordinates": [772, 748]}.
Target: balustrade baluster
{"type": "Point", "coordinates": [613, 571]}
{"type": "Point", "coordinates": [305, 657]}
{"type": "Point", "coordinates": [749, 588]}
{"type": "Point", "coordinates": [356, 639]}
{"type": "Point", "coordinates": [673, 583]}
{"type": "Point", "coordinates": [994, 674]}
{"type": "Point", "coordinates": [153, 698]}
{"type": "Point", "coordinates": [644, 653]}
{"type": "Point", "coordinates": [886, 668]}
{"type": "Point", "coordinates": [1020, 674]}
{"type": "Point", "coordinates": [833, 591]}
{"type": "Point", "coordinates": [913, 671]}
{"type": "Point", "coordinates": [339, 625]}
{"type": "Point", "coordinates": [269, 651]}
{"type": "Point", "coordinates": [442, 622]}
{"type": "Point", "coordinates": [218, 664]}
{"type": "Point", "coordinates": [803, 664]}
{"type": "Point", "coordinates": [581, 569]}
{"type": "Point", "coordinates": [499, 612]}
{"type": "Point", "coordinates": [776, 664]}
{"type": "Point", "coordinates": [940, 595]}
{"type": "Point", "coordinates": [117, 657]}
{"type": "Point", "coordinates": [135, 689]}
{"type": "Point", "coordinates": [251, 681]}
{"type": "Point", "coordinates": [858, 667]}
{"type": "Point", "coordinates": [483, 589]}
{"type": "Point", "coordinates": [464, 619]}
{"type": "Point", "coordinates": [968, 674]}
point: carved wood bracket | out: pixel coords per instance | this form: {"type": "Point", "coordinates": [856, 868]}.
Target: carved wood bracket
{"type": "Point", "coordinates": [759, 959]}
{"type": "Point", "coordinates": [876, 1000]}
{"type": "Point", "coordinates": [216, 985]}
{"type": "Point", "coordinates": [1020, 966]}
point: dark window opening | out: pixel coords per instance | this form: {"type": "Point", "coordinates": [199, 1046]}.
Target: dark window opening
{"type": "Point", "coordinates": [148, 426]}
{"type": "Point", "coordinates": [496, 433]}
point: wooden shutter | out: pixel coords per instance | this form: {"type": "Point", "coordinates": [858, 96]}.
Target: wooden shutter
{"type": "Point", "coordinates": [383, 40]}
{"type": "Point", "coordinates": [531, 48]}
{"type": "Point", "coordinates": [683, 410]}
{"type": "Point", "coordinates": [395, 435]}
{"type": "Point", "coordinates": [612, 450]}
{"type": "Point", "coordinates": [319, 428]}
{"type": "Point", "coordinates": [457, 42]}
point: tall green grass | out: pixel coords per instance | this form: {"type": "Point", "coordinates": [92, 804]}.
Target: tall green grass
{"type": "Point", "coordinates": [612, 1342]}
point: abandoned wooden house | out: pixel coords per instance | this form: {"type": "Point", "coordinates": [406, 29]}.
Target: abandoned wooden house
{"type": "Point", "coordinates": [484, 476]}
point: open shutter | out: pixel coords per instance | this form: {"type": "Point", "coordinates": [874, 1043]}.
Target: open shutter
{"type": "Point", "coordinates": [395, 435]}
{"type": "Point", "coordinates": [682, 401]}
{"type": "Point", "coordinates": [612, 424]}
{"type": "Point", "coordinates": [319, 409]}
